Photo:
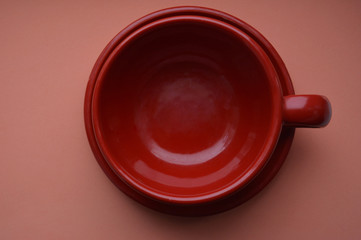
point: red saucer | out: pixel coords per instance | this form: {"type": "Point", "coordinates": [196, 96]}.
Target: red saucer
{"type": "Point", "coordinates": [258, 183]}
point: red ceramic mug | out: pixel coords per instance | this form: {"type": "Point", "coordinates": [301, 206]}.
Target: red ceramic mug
{"type": "Point", "coordinates": [188, 109]}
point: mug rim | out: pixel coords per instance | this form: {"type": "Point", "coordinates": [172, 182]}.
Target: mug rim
{"type": "Point", "coordinates": [272, 136]}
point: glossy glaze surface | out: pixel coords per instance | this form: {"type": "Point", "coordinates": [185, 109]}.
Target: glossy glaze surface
{"type": "Point", "coordinates": [306, 111]}
{"type": "Point", "coordinates": [258, 183]}
{"type": "Point", "coordinates": [192, 118]}
{"type": "Point", "coordinates": [229, 201]}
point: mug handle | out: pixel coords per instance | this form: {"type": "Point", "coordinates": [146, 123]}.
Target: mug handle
{"type": "Point", "coordinates": [311, 111]}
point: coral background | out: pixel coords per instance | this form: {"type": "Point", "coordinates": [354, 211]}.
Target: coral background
{"type": "Point", "coordinates": [51, 187]}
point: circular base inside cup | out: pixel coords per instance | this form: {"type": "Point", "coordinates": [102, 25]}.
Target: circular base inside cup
{"type": "Point", "coordinates": [241, 196]}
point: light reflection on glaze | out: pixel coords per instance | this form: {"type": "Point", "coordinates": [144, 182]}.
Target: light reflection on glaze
{"type": "Point", "coordinates": [142, 168]}
{"type": "Point", "coordinates": [298, 102]}
{"type": "Point", "coordinates": [191, 158]}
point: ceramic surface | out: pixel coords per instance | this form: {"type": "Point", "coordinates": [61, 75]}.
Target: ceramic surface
{"type": "Point", "coordinates": [195, 118]}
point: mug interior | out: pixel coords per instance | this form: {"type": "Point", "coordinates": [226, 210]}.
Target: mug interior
{"type": "Point", "coordinates": [187, 109]}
